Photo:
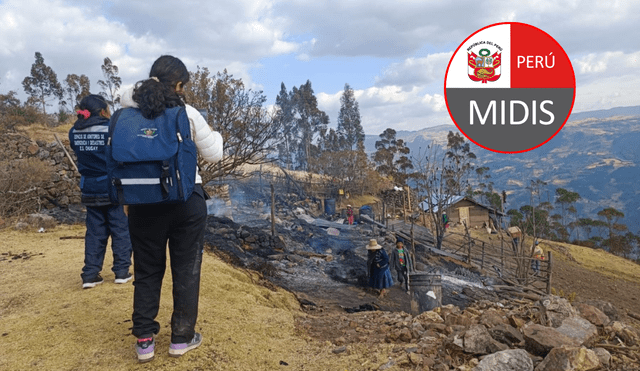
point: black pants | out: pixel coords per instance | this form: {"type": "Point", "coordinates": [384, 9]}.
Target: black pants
{"type": "Point", "coordinates": [403, 277]}
{"type": "Point", "coordinates": [151, 226]}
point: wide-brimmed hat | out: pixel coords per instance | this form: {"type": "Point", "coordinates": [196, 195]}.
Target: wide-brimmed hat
{"type": "Point", "coordinates": [373, 245]}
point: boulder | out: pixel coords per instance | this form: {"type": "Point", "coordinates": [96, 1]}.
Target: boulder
{"type": "Point", "coordinates": [556, 309]}
{"type": "Point", "coordinates": [579, 329]}
{"type": "Point", "coordinates": [603, 355]}
{"type": "Point", "coordinates": [592, 314]}
{"type": "Point", "coordinates": [493, 317]}
{"type": "Point", "coordinates": [569, 359]}
{"type": "Point", "coordinates": [507, 335]}
{"type": "Point", "coordinates": [41, 221]}
{"type": "Point", "coordinates": [428, 317]}
{"type": "Point", "coordinates": [506, 360]}
{"type": "Point", "coordinates": [477, 340]}
{"type": "Point", "coordinates": [539, 340]}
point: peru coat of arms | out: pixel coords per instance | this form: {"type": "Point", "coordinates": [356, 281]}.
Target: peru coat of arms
{"type": "Point", "coordinates": [484, 66]}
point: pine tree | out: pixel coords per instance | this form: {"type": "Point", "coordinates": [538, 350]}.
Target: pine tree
{"type": "Point", "coordinates": [42, 84]}
{"type": "Point", "coordinates": [111, 84]}
{"type": "Point", "coordinates": [349, 125]}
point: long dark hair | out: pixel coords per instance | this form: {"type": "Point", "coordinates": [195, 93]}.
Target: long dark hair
{"type": "Point", "coordinates": [152, 96]}
{"type": "Point", "coordinates": [93, 103]}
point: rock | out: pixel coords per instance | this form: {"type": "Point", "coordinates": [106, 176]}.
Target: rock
{"type": "Point", "coordinates": [33, 149]}
{"type": "Point", "coordinates": [506, 360]}
{"type": "Point", "coordinates": [592, 314]}
{"type": "Point", "coordinates": [21, 226]}
{"type": "Point", "coordinates": [438, 327]}
{"type": "Point", "coordinates": [339, 350]}
{"type": "Point", "coordinates": [405, 335]}
{"type": "Point", "coordinates": [603, 355]}
{"type": "Point", "coordinates": [556, 310]}
{"type": "Point", "coordinates": [492, 317]}
{"type": "Point", "coordinates": [428, 317]}
{"type": "Point", "coordinates": [457, 319]}
{"type": "Point", "coordinates": [506, 334]}
{"type": "Point", "coordinates": [415, 358]}
{"type": "Point", "coordinates": [607, 308]}
{"type": "Point", "coordinates": [41, 221]}
{"type": "Point", "coordinates": [579, 329]}
{"type": "Point", "coordinates": [569, 359]}
{"type": "Point", "coordinates": [387, 365]}
{"type": "Point", "coordinates": [477, 340]}
{"type": "Point", "coordinates": [516, 322]}
{"type": "Point", "coordinates": [540, 340]}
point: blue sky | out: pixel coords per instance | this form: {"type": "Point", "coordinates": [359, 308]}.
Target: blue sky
{"type": "Point", "coordinates": [393, 54]}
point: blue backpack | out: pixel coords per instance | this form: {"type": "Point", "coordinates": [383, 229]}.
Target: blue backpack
{"type": "Point", "coordinates": [150, 161]}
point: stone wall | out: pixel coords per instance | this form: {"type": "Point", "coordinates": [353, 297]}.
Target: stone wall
{"type": "Point", "coordinates": [64, 186]}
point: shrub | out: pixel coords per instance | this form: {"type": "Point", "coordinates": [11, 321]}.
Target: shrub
{"type": "Point", "coordinates": [21, 185]}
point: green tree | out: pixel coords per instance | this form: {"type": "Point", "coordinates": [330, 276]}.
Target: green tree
{"type": "Point", "coordinates": [616, 242]}
{"type": "Point", "coordinates": [111, 84]}
{"type": "Point", "coordinates": [76, 88]}
{"type": "Point", "coordinates": [349, 125]}
{"type": "Point", "coordinates": [42, 85]}
{"type": "Point", "coordinates": [310, 122]}
{"type": "Point", "coordinates": [287, 135]}
{"type": "Point", "coordinates": [391, 157]}
{"type": "Point", "coordinates": [567, 200]}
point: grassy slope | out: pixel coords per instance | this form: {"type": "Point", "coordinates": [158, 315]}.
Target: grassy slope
{"type": "Point", "coordinates": [47, 322]}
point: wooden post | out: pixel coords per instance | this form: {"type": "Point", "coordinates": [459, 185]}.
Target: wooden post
{"type": "Point", "coordinates": [501, 255]}
{"type": "Point", "coordinates": [482, 262]}
{"type": "Point", "coordinates": [273, 212]}
{"type": "Point", "coordinates": [66, 153]}
{"type": "Point", "coordinates": [549, 268]}
{"type": "Point", "coordinates": [468, 243]}
{"type": "Point", "coordinates": [409, 198]}
{"type": "Point", "coordinates": [404, 208]}
{"type": "Point", "coordinates": [261, 193]}
{"type": "Point", "coordinates": [321, 206]}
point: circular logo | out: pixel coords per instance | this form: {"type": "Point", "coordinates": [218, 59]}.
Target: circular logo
{"type": "Point", "coordinates": [510, 87]}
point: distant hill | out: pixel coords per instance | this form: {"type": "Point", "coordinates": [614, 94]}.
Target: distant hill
{"type": "Point", "coordinates": [596, 154]}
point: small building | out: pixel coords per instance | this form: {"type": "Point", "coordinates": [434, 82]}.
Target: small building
{"type": "Point", "coordinates": [463, 208]}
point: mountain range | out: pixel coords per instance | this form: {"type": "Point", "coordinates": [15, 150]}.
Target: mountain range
{"type": "Point", "coordinates": [596, 154]}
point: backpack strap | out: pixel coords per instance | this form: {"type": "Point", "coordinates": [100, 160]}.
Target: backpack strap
{"type": "Point", "coordinates": [112, 122]}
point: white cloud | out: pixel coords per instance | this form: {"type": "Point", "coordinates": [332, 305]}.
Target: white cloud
{"type": "Point", "coordinates": [416, 71]}
{"type": "Point", "coordinates": [391, 106]}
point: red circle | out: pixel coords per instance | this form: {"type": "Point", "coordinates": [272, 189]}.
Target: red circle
{"type": "Point", "coordinates": [510, 40]}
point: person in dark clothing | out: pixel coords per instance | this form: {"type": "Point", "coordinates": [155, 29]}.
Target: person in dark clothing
{"type": "Point", "coordinates": [180, 225]}
{"type": "Point", "coordinates": [88, 138]}
{"type": "Point", "coordinates": [401, 261]}
{"type": "Point", "coordinates": [378, 268]}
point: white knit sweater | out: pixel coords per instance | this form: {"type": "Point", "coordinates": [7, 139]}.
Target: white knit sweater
{"type": "Point", "coordinates": [208, 142]}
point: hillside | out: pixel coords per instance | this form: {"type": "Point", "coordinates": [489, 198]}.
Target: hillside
{"type": "Point", "coordinates": [596, 154]}
{"type": "Point", "coordinates": [49, 323]}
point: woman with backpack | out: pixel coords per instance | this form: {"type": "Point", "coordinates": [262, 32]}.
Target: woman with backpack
{"type": "Point", "coordinates": [182, 225]}
{"type": "Point", "coordinates": [88, 138]}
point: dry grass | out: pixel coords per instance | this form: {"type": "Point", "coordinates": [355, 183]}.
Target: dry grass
{"type": "Point", "coordinates": [48, 322]}
{"type": "Point", "coordinates": [603, 262]}
{"type": "Point", "coordinates": [45, 132]}
{"type": "Point", "coordinates": [596, 260]}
